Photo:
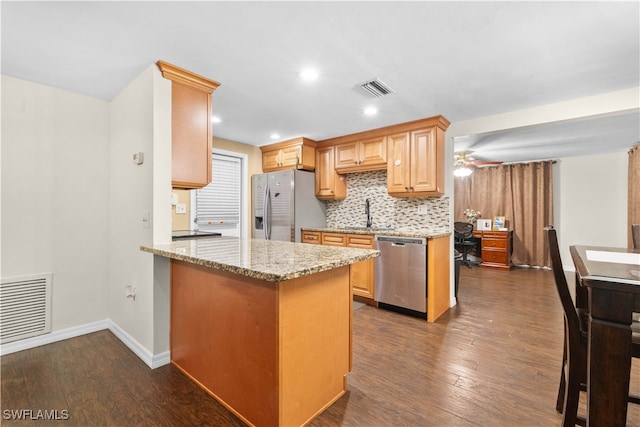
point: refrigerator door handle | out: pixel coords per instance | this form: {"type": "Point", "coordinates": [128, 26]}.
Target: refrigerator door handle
{"type": "Point", "coordinates": [267, 213]}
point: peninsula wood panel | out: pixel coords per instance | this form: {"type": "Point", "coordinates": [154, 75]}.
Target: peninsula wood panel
{"type": "Point", "coordinates": [438, 274]}
{"type": "Point", "coordinates": [274, 354]}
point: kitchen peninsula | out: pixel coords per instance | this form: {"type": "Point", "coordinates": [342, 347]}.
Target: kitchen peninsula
{"type": "Point", "coordinates": [263, 326]}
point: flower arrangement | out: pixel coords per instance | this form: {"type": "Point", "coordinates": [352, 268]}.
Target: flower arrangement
{"type": "Point", "coordinates": [471, 215]}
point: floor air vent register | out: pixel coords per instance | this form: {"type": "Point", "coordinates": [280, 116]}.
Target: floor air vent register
{"type": "Point", "coordinates": [25, 307]}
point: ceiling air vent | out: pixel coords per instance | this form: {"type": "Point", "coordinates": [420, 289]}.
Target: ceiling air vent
{"type": "Point", "coordinates": [376, 87]}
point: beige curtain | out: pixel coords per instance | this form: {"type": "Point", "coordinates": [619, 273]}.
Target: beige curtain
{"type": "Point", "coordinates": [633, 199]}
{"type": "Point", "coordinates": [523, 193]}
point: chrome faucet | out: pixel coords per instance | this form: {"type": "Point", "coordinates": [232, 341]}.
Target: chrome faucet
{"type": "Point", "coordinates": [367, 210]}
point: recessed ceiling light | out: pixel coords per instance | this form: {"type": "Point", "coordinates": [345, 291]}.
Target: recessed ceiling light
{"type": "Point", "coordinates": [309, 74]}
{"type": "Point", "coordinates": [216, 119]}
{"type": "Point", "coordinates": [275, 136]}
{"type": "Point", "coordinates": [370, 111]}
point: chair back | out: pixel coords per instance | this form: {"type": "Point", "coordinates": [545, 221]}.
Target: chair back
{"type": "Point", "coordinates": [462, 230]}
{"type": "Point", "coordinates": [635, 235]}
{"type": "Point", "coordinates": [569, 308]}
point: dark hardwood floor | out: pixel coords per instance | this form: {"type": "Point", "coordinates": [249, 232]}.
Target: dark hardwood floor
{"type": "Point", "coordinates": [493, 360]}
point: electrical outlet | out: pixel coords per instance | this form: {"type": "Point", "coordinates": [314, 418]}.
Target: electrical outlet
{"type": "Point", "coordinates": [181, 208]}
{"type": "Point", "coordinates": [423, 209]}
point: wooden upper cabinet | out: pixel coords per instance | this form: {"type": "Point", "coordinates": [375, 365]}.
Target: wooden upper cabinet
{"type": "Point", "coordinates": [329, 184]}
{"type": "Point", "coordinates": [369, 154]}
{"type": "Point", "coordinates": [415, 167]}
{"type": "Point", "coordinates": [399, 166]}
{"type": "Point", "coordinates": [298, 153]}
{"type": "Point", "coordinates": [191, 135]}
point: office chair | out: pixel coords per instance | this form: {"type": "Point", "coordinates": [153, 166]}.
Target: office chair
{"type": "Point", "coordinates": [463, 237]}
{"type": "Point", "coordinates": [574, 358]}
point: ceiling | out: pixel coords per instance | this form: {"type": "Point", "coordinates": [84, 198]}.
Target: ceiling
{"type": "Point", "coordinates": [463, 60]}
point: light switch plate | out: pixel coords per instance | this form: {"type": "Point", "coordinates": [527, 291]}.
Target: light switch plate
{"type": "Point", "coordinates": [145, 219]}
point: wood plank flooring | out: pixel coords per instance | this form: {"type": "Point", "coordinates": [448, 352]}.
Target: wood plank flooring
{"type": "Point", "coordinates": [493, 360]}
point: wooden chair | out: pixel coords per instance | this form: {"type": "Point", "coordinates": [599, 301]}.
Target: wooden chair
{"type": "Point", "coordinates": [573, 377]}
{"type": "Point", "coordinates": [635, 235]}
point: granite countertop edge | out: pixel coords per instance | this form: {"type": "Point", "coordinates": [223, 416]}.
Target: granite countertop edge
{"type": "Point", "coordinates": [428, 234]}
{"type": "Point", "coordinates": [293, 273]}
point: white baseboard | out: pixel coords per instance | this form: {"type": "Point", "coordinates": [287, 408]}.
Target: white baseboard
{"type": "Point", "coordinates": [153, 361]}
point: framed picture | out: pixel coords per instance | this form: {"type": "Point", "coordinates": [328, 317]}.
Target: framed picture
{"type": "Point", "coordinates": [484, 225]}
{"type": "Point", "coordinates": [499, 222]}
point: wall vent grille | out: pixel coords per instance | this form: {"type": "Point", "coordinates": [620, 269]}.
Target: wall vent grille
{"type": "Point", "coordinates": [376, 87]}
{"type": "Point", "coordinates": [25, 307]}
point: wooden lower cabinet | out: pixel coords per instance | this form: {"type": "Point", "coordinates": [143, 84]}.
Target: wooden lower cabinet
{"type": "Point", "coordinates": [361, 273]}
{"type": "Point", "coordinates": [313, 237]}
{"type": "Point", "coordinates": [496, 248]}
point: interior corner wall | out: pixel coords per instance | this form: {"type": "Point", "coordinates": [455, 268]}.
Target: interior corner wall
{"type": "Point", "coordinates": [55, 196]}
{"type": "Point", "coordinates": [131, 199]}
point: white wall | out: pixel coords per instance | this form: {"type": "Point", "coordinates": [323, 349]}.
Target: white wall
{"type": "Point", "coordinates": [73, 202]}
{"type": "Point", "coordinates": [591, 202]}
{"type": "Point", "coordinates": [140, 116]}
{"type": "Point", "coordinates": [55, 195]}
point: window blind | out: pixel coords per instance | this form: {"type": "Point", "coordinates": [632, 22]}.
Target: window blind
{"type": "Point", "coordinates": [218, 204]}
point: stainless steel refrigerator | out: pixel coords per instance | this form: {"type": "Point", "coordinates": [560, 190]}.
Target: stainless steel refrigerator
{"type": "Point", "coordinates": [283, 202]}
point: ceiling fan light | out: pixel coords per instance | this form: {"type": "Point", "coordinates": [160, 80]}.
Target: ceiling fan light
{"type": "Point", "coordinates": [462, 171]}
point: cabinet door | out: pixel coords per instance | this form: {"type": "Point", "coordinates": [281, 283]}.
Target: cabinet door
{"type": "Point", "coordinates": [424, 160]}
{"type": "Point", "coordinates": [346, 155]}
{"type": "Point", "coordinates": [291, 156]}
{"type": "Point", "coordinates": [270, 160]}
{"type": "Point", "coordinates": [190, 137]}
{"type": "Point", "coordinates": [373, 152]}
{"type": "Point", "coordinates": [329, 185]}
{"type": "Point", "coordinates": [361, 273]}
{"type": "Point", "coordinates": [398, 165]}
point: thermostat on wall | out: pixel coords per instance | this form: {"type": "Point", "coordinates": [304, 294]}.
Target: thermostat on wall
{"type": "Point", "coordinates": [138, 158]}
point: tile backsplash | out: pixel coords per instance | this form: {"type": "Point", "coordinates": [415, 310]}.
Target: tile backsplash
{"type": "Point", "coordinates": [386, 211]}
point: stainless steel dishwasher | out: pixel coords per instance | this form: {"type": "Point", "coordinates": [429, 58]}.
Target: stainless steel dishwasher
{"type": "Point", "coordinates": [401, 274]}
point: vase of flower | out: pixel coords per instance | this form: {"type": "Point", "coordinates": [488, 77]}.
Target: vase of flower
{"type": "Point", "coordinates": [471, 215]}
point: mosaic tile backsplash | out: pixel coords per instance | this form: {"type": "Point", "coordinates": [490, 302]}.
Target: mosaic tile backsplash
{"type": "Point", "coordinates": [386, 211]}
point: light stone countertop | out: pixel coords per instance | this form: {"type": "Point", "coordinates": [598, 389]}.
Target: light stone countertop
{"type": "Point", "coordinates": [268, 260]}
{"type": "Point", "coordinates": [427, 233]}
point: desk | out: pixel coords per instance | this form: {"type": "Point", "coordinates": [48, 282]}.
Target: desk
{"type": "Point", "coordinates": [496, 248]}
{"type": "Point", "coordinates": [613, 286]}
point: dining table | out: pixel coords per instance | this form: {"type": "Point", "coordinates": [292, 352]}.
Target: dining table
{"type": "Point", "coordinates": [611, 278]}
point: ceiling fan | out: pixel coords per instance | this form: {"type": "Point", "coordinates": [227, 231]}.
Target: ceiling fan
{"type": "Point", "coordinates": [463, 165]}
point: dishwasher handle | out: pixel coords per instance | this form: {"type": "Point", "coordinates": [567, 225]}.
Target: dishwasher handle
{"type": "Point", "coordinates": [402, 241]}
